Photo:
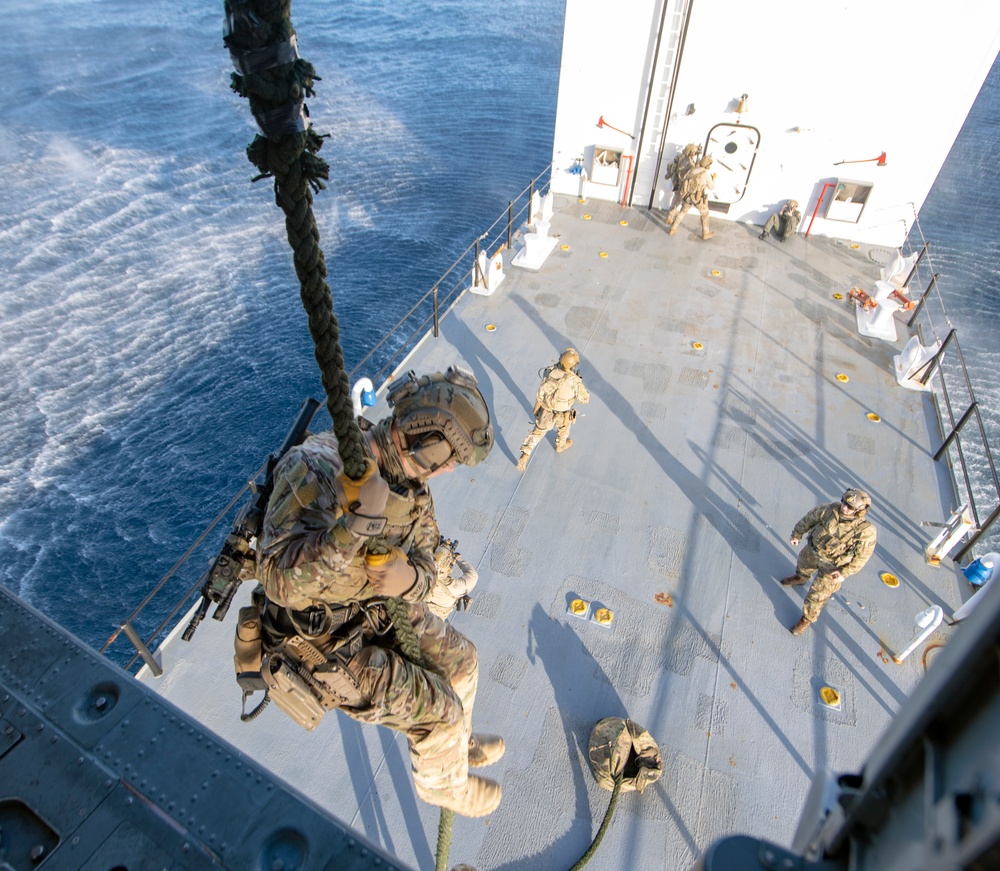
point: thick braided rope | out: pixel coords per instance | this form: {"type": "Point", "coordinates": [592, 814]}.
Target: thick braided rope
{"type": "Point", "coordinates": [444, 840]}
{"type": "Point", "coordinates": [290, 159]}
{"type": "Point", "coordinates": [608, 814]}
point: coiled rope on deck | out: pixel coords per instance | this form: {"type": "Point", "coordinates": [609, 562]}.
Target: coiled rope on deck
{"type": "Point", "coordinates": [275, 80]}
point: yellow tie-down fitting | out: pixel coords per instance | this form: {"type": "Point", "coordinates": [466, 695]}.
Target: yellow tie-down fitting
{"type": "Point", "coordinates": [829, 697]}
{"type": "Point", "coordinates": [579, 608]}
{"type": "Point", "coordinates": [603, 617]}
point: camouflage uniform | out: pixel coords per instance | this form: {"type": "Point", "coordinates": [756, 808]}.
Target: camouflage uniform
{"type": "Point", "coordinates": [449, 589]}
{"type": "Point", "coordinates": [677, 170]}
{"type": "Point", "coordinates": [309, 558]}
{"type": "Point", "coordinates": [560, 389]}
{"type": "Point", "coordinates": [694, 192]}
{"type": "Point", "coordinates": [833, 543]}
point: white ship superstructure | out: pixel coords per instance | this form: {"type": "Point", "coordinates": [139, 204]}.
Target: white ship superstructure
{"type": "Point", "coordinates": [792, 100]}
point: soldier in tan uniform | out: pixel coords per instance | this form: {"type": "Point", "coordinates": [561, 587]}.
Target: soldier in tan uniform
{"type": "Point", "coordinates": [678, 168]}
{"type": "Point", "coordinates": [561, 387]}
{"type": "Point", "coordinates": [694, 192]}
{"type": "Point", "coordinates": [457, 577]}
{"type": "Point", "coordinates": [327, 639]}
{"type": "Point", "coordinates": [839, 541]}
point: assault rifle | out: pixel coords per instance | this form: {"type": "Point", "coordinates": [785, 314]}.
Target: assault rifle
{"type": "Point", "coordinates": [446, 556]}
{"type": "Point", "coordinates": [220, 583]}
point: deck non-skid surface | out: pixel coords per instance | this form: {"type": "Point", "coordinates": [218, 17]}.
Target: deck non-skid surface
{"type": "Point", "coordinates": [717, 419]}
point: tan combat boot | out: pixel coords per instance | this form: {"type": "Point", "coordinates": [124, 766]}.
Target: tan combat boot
{"type": "Point", "coordinates": [522, 463]}
{"type": "Point", "coordinates": [485, 750]}
{"type": "Point", "coordinates": [565, 446]}
{"type": "Point", "coordinates": [800, 627]}
{"type": "Point", "coordinates": [705, 232]}
{"type": "Point", "coordinates": [792, 581]}
{"type": "Point", "coordinates": [479, 798]}
{"type": "Point", "coordinates": [673, 228]}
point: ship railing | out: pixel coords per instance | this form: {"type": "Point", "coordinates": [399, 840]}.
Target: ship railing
{"type": "Point", "coordinates": [464, 274]}
{"type": "Point", "coordinates": [378, 364]}
{"type": "Point", "coordinates": [965, 440]}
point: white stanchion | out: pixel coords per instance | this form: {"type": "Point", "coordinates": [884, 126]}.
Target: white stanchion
{"type": "Point", "coordinates": [926, 622]}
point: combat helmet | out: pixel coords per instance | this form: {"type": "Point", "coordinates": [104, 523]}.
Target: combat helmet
{"type": "Point", "coordinates": [793, 204]}
{"type": "Point", "coordinates": [440, 417]}
{"type": "Point", "coordinates": [569, 359]}
{"type": "Point", "coordinates": [859, 500]}
{"type": "Point", "coordinates": [706, 161]}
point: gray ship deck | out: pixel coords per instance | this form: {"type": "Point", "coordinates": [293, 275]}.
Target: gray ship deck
{"type": "Point", "coordinates": [673, 509]}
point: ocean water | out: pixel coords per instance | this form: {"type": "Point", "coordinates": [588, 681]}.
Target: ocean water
{"type": "Point", "coordinates": [152, 342]}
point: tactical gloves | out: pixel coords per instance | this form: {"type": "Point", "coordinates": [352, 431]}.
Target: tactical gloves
{"type": "Point", "coordinates": [364, 500]}
{"type": "Point", "coordinates": [391, 574]}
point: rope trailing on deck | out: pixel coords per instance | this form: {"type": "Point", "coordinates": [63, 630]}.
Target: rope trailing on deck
{"type": "Point", "coordinates": [623, 757]}
{"type": "Point", "coordinates": [275, 80]}
{"type": "Point", "coordinates": [608, 814]}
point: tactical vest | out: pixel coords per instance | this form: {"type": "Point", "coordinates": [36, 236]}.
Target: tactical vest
{"type": "Point", "coordinates": [565, 393]}
{"type": "Point", "coordinates": [836, 540]}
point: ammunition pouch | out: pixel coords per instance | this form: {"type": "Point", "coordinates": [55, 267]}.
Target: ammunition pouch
{"type": "Point", "coordinates": [249, 647]}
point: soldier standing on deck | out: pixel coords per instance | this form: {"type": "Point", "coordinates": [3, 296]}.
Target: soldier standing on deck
{"type": "Point", "coordinates": [839, 541]}
{"type": "Point", "coordinates": [694, 192]}
{"type": "Point", "coordinates": [326, 635]}
{"type": "Point", "coordinates": [561, 387]}
{"type": "Point", "coordinates": [678, 168]}
{"type": "Point", "coordinates": [451, 590]}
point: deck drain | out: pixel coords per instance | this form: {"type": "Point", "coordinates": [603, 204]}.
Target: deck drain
{"type": "Point", "coordinates": [838, 296]}
{"type": "Point", "coordinates": [873, 417]}
{"type": "Point", "coordinates": [842, 377]}
{"type": "Point", "coordinates": [697, 346]}
{"type": "Point", "coordinates": [565, 247]}
{"type": "Point", "coordinates": [586, 217]}
{"type": "Point", "coordinates": [623, 223]}
{"type": "Point", "coordinates": [604, 254]}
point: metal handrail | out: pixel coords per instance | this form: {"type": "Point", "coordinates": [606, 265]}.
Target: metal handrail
{"type": "Point", "coordinates": [948, 397]}
{"type": "Point", "coordinates": [456, 280]}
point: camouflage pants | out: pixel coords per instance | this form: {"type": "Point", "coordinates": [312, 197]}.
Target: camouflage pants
{"type": "Point", "coordinates": [432, 706]}
{"type": "Point", "coordinates": [544, 421]}
{"type": "Point", "coordinates": [822, 588]}
{"type": "Point", "coordinates": [677, 213]}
